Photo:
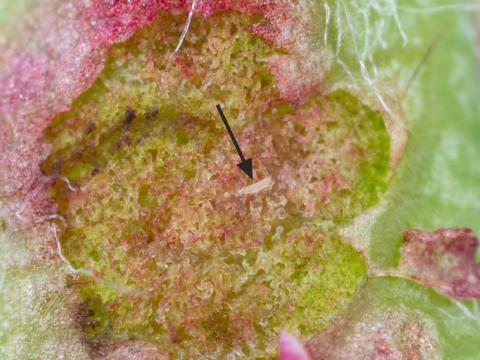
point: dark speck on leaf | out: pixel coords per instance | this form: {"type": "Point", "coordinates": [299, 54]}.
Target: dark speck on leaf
{"type": "Point", "coordinates": [129, 117]}
{"type": "Point", "coordinates": [151, 114]}
{"type": "Point", "coordinates": [90, 127]}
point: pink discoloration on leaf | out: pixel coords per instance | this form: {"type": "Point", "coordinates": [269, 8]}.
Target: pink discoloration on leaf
{"type": "Point", "coordinates": [249, 7]}
{"type": "Point", "coordinates": [443, 259]}
{"type": "Point", "coordinates": [60, 51]}
{"type": "Point", "coordinates": [118, 19]}
{"type": "Point", "coordinates": [294, 76]}
{"type": "Point", "coordinates": [63, 49]}
{"type": "Point", "coordinates": [28, 74]}
{"type": "Point", "coordinates": [374, 334]}
{"type": "Point", "coordinates": [286, 27]}
{"type": "Point", "coordinates": [6, 136]}
{"type": "Point", "coordinates": [132, 350]}
{"type": "Point", "coordinates": [291, 348]}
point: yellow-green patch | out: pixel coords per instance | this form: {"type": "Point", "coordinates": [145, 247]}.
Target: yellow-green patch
{"type": "Point", "coordinates": [179, 256]}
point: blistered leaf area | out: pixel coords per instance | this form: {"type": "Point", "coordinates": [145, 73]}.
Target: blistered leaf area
{"type": "Point", "coordinates": [169, 243]}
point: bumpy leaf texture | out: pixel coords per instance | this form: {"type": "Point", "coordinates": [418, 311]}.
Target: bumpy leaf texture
{"type": "Point", "coordinates": [128, 232]}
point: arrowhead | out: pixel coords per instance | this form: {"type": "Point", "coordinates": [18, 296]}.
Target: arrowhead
{"type": "Point", "coordinates": [247, 167]}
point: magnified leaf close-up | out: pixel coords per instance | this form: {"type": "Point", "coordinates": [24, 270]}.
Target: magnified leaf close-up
{"type": "Point", "coordinates": [239, 179]}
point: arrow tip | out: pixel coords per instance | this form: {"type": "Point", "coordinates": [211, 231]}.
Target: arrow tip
{"type": "Point", "coordinates": [247, 167]}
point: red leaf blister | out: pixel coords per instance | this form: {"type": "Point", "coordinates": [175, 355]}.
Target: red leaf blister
{"type": "Point", "coordinates": [443, 259]}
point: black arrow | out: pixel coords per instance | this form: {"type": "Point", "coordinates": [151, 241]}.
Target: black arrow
{"type": "Point", "coordinates": [246, 165]}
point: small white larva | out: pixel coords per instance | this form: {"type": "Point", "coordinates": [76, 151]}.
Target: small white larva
{"type": "Point", "coordinates": [258, 186]}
